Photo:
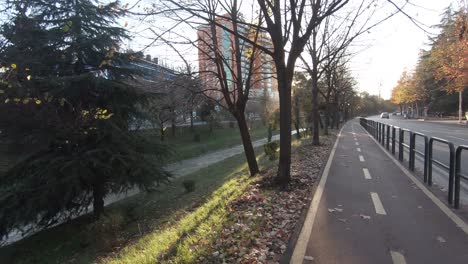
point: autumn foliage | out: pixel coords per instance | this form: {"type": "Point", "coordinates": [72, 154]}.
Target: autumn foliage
{"type": "Point", "coordinates": [441, 70]}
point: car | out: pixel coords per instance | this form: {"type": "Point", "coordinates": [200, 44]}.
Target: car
{"type": "Point", "coordinates": [384, 115]}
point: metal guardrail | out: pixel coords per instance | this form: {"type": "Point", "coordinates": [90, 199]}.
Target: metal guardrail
{"type": "Point", "coordinates": [401, 143]}
{"type": "Point", "coordinates": [385, 134]}
{"type": "Point", "coordinates": [414, 151]}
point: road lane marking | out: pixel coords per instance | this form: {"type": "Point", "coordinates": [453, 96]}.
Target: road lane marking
{"type": "Point", "coordinates": [355, 139]}
{"type": "Point", "coordinates": [367, 175]}
{"type": "Point", "coordinates": [358, 149]}
{"type": "Point", "coordinates": [357, 143]}
{"type": "Point", "coordinates": [451, 215]}
{"type": "Point", "coordinates": [361, 158]}
{"type": "Point", "coordinates": [397, 257]}
{"type": "Point", "coordinates": [301, 245]}
{"type": "Point", "coordinates": [379, 209]}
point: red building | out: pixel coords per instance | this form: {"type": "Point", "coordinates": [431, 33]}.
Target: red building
{"type": "Point", "coordinates": [263, 79]}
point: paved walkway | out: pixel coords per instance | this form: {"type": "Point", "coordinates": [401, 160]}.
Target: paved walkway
{"type": "Point", "coordinates": [368, 209]}
{"type": "Point", "coordinates": [188, 166]}
{"type": "Point", "coordinates": [185, 167]}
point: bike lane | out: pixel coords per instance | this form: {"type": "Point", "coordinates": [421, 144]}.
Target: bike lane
{"type": "Point", "coordinates": [370, 211]}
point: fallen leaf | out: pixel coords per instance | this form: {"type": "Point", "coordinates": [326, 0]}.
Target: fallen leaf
{"type": "Point", "coordinates": [331, 210]}
{"type": "Point", "coordinates": [364, 216]}
{"type": "Point", "coordinates": [308, 258]}
{"type": "Point", "coordinates": [441, 239]}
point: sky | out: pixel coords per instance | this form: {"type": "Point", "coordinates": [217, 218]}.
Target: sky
{"type": "Point", "coordinates": [381, 55]}
{"type": "Point", "coordinates": [394, 47]}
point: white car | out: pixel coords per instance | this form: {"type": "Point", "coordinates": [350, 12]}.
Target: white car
{"type": "Point", "coordinates": [384, 115]}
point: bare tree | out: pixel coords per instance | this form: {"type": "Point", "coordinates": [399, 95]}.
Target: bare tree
{"type": "Point", "coordinates": [228, 76]}
{"type": "Point", "coordinates": [329, 42]}
{"type": "Point", "coordinates": [290, 24]}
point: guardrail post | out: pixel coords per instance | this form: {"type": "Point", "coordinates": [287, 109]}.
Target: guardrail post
{"type": "Point", "coordinates": [388, 137]}
{"type": "Point", "coordinates": [451, 172]}
{"type": "Point", "coordinates": [425, 157]}
{"type": "Point", "coordinates": [429, 162]}
{"type": "Point", "coordinates": [400, 144]}
{"type": "Point", "coordinates": [393, 139]}
{"type": "Point", "coordinates": [451, 166]}
{"type": "Point", "coordinates": [412, 151]}
{"type": "Point", "coordinates": [383, 134]}
{"type": "Point", "coordinates": [456, 203]}
{"type": "Point", "coordinates": [378, 132]}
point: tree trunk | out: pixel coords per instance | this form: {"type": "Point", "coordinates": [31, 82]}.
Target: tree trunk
{"type": "Point", "coordinates": [327, 117]}
{"type": "Point", "coordinates": [247, 143]}
{"type": "Point", "coordinates": [460, 110]}
{"type": "Point", "coordinates": [161, 131]}
{"type": "Point", "coordinates": [298, 132]}
{"type": "Point", "coordinates": [270, 132]}
{"type": "Point", "coordinates": [337, 117]}
{"type": "Point", "coordinates": [191, 122]}
{"type": "Point", "coordinates": [337, 110]}
{"type": "Point", "coordinates": [315, 112]}
{"type": "Point", "coordinates": [297, 112]}
{"type": "Point", "coordinates": [284, 165]}
{"type": "Point", "coordinates": [173, 127]}
{"type": "Point", "coordinates": [98, 198]}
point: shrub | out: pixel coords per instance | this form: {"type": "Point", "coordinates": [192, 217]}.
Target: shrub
{"type": "Point", "coordinates": [271, 150]}
{"type": "Point", "coordinates": [189, 185]}
{"type": "Point", "coordinates": [196, 137]}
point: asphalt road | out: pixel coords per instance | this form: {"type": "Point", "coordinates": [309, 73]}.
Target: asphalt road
{"type": "Point", "coordinates": [367, 210]}
{"type": "Point", "coordinates": [451, 131]}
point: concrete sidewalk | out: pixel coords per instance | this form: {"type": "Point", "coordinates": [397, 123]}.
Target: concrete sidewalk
{"type": "Point", "coordinates": [188, 166]}
{"type": "Point", "coordinates": [369, 209]}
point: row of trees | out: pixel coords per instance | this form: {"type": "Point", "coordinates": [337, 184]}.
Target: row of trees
{"type": "Point", "coordinates": [324, 30]}
{"type": "Point", "coordinates": [441, 70]}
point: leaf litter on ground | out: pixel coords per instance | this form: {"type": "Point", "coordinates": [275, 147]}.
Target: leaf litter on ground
{"type": "Point", "coordinates": [263, 219]}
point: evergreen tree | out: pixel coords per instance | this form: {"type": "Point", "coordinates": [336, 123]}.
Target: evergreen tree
{"type": "Point", "coordinates": [66, 103]}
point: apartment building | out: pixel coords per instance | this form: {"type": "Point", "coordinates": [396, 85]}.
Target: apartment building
{"type": "Point", "coordinates": [221, 41]}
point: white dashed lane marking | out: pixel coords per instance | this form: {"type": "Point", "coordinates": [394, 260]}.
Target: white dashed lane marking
{"type": "Point", "coordinates": [361, 158]}
{"type": "Point", "coordinates": [357, 143]}
{"type": "Point", "coordinates": [367, 175]}
{"type": "Point", "coordinates": [358, 149]}
{"type": "Point", "coordinates": [379, 209]}
{"type": "Point", "coordinates": [397, 257]}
